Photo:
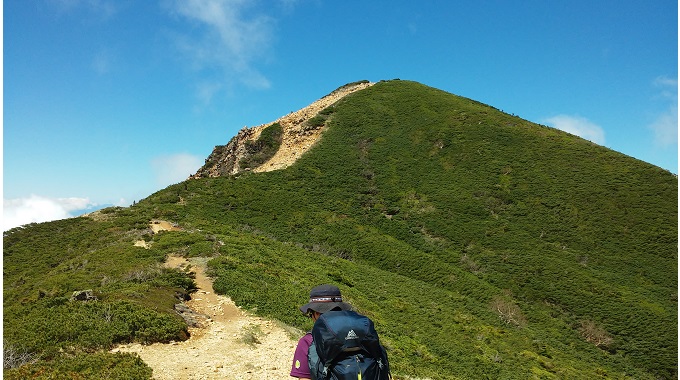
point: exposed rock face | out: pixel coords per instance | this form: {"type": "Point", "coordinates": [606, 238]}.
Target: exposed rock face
{"type": "Point", "coordinates": [83, 295]}
{"type": "Point", "coordinates": [297, 138]}
{"type": "Point", "coordinates": [191, 317]}
{"type": "Point", "coordinates": [224, 159]}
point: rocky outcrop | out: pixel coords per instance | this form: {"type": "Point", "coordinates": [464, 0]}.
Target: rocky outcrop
{"type": "Point", "coordinates": [224, 159]}
{"type": "Point", "coordinates": [297, 138]}
{"type": "Point", "coordinates": [192, 318]}
{"type": "Point", "coordinates": [83, 295]}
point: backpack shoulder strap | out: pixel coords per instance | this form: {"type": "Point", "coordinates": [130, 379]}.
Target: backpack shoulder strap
{"type": "Point", "coordinates": [314, 362]}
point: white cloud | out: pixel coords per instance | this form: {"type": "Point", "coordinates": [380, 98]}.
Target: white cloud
{"type": "Point", "coordinates": [578, 126]}
{"type": "Point", "coordinates": [175, 168]}
{"type": "Point", "coordinates": [228, 44]}
{"type": "Point", "coordinates": [38, 209]}
{"type": "Point", "coordinates": [665, 126]}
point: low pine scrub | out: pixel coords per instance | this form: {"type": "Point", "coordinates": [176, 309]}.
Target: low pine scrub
{"type": "Point", "coordinates": [481, 244]}
{"type": "Point", "coordinates": [132, 299]}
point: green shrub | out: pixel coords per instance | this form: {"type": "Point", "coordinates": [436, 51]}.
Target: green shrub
{"type": "Point", "coordinates": [432, 212]}
{"type": "Point", "coordinates": [264, 147]}
{"type": "Point", "coordinates": [85, 366]}
{"type": "Point", "coordinates": [316, 122]}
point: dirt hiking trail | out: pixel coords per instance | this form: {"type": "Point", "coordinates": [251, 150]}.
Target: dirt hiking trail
{"type": "Point", "coordinates": [228, 343]}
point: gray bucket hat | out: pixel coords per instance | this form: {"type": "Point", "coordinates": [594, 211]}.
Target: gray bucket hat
{"type": "Point", "coordinates": [324, 298]}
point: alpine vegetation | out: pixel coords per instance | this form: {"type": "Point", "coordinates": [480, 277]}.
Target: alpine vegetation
{"type": "Point", "coordinates": [480, 244]}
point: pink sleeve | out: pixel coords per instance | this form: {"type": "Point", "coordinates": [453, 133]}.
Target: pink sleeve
{"type": "Point", "coordinates": [300, 363]}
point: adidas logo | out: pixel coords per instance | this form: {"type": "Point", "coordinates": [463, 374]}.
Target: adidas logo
{"type": "Point", "coordinates": [351, 335]}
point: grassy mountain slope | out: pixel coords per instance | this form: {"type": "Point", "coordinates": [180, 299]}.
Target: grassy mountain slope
{"type": "Point", "coordinates": [482, 245]}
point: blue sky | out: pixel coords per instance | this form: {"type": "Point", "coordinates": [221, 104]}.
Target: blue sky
{"type": "Point", "coordinates": [106, 102]}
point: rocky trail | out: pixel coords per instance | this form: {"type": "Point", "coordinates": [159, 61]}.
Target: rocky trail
{"type": "Point", "coordinates": [226, 342]}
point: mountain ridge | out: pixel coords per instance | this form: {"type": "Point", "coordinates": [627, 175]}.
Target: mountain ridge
{"type": "Point", "coordinates": [481, 244]}
{"type": "Point", "coordinates": [296, 138]}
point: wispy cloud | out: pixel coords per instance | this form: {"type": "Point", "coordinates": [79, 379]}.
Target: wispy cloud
{"type": "Point", "coordinates": [227, 43]}
{"type": "Point", "coordinates": [579, 126]}
{"type": "Point", "coordinates": [101, 8]}
{"type": "Point", "coordinates": [666, 82]}
{"type": "Point", "coordinates": [205, 91]}
{"type": "Point", "coordinates": [38, 209]}
{"type": "Point", "coordinates": [288, 5]}
{"type": "Point", "coordinates": [175, 168]}
{"type": "Point", "coordinates": [101, 63]}
{"type": "Point", "coordinates": [665, 126]}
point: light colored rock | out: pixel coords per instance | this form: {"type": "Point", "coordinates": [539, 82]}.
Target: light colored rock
{"type": "Point", "coordinates": [296, 139]}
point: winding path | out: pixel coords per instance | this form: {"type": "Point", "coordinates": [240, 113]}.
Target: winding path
{"type": "Point", "coordinates": [225, 345]}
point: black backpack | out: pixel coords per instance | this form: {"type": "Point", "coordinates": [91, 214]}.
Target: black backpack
{"type": "Point", "coordinates": [345, 346]}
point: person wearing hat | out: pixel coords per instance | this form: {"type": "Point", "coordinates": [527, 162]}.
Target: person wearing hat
{"type": "Point", "coordinates": [322, 299]}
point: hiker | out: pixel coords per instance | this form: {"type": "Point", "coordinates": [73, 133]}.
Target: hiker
{"type": "Point", "coordinates": [339, 335]}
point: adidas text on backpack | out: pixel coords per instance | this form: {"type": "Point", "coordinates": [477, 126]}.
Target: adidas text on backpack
{"type": "Point", "coordinates": [346, 346]}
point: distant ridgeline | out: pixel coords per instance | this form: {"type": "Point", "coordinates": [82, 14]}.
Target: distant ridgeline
{"type": "Point", "coordinates": [482, 246]}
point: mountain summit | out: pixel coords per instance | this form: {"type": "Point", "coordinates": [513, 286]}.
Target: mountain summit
{"type": "Point", "coordinates": [481, 244]}
{"type": "Point", "coordinates": [274, 145]}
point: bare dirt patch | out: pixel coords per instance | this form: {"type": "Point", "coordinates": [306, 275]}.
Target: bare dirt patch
{"type": "Point", "coordinates": [162, 225]}
{"type": "Point", "coordinates": [157, 226]}
{"type": "Point", "coordinates": [228, 343]}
